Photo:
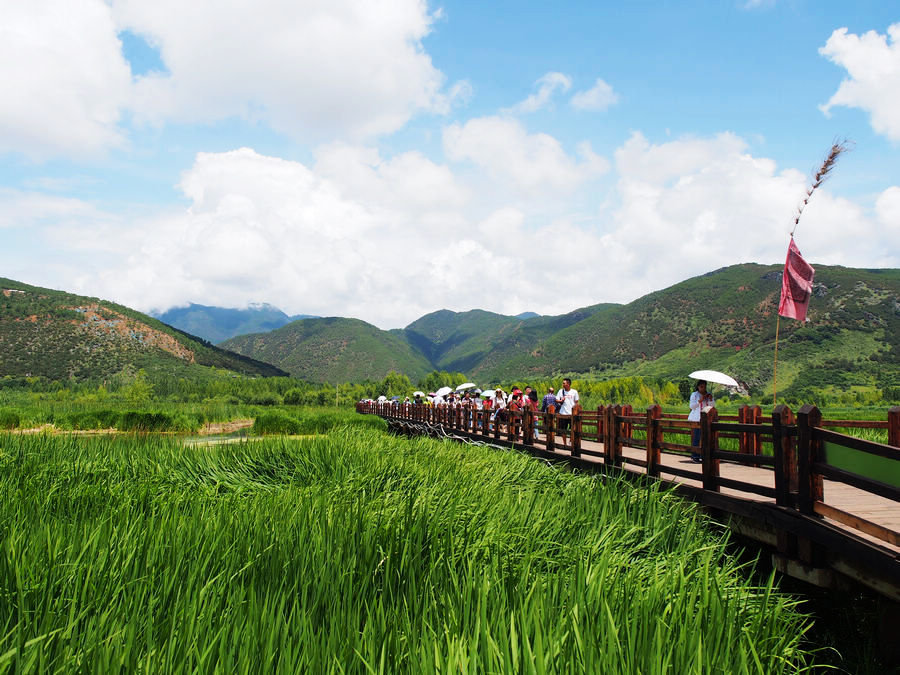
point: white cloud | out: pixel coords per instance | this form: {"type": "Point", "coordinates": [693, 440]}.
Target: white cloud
{"type": "Point", "coordinates": [699, 204]}
{"type": "Point", "coordinates": [30, 209]}
{"type": "Point", "coordinates": [65, 79]}
{"type": "Point", "coordinates": [598, 98]}
{"type": "Point", "coordinates": [547, 85]}
{"type": "Point", "coordinates": [873, 65]}
{"type": "Point", "coordinates": [311, 69]}
{"type": "Point", "coordinates": [532, 163]}
{"type": "Point", "coordinates": [390, 239]}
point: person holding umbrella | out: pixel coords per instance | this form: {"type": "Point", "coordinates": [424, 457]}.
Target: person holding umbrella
{"type": "Point", "coordinates": [700, 400]}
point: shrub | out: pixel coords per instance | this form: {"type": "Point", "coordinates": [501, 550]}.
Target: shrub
{"type": "Point", "coordinates": [187, 421]}
{"type": "Point", "coordinates": [96, 419]}
{"type": "Point", "coordinates": [275, 423]}
{"type": "Point", "coordinates": [145, 421]}
{"type": "Point", "coordinates": [294, 397]}
{"type": "Point", "coordinates": [264, 398]}
{"type": "Point", "coordinates": [9, 419]}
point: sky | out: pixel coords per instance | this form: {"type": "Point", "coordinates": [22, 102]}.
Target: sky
{"type": "Point", "coordinates": [382, 160]}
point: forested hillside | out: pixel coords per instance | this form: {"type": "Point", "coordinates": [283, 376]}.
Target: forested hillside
{"type": "Point", "coordinates": [60, 335]}
{"type": "Point", "coordinates": [333, 350]}
{"type": "Point", "coordinates": [724, 320]}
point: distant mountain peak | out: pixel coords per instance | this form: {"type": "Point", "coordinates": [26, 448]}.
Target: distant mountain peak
{"type": "Point", "coordinates": [217, 324]}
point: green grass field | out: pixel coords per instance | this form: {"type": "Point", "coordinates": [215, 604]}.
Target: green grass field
{"type": "Point", "coordinates": [360, 552]}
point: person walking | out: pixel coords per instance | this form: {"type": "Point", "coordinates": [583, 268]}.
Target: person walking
{"type": "Point", "coordinates": [567, 399]}
{"type": "Point", "coordinates": [548, 400]}
{"type": "Point", "coordinates": [700, 402]}
{"type": "Point", "coordinates": [530, 400]}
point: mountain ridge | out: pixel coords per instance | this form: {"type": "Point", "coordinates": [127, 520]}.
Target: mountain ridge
{"type": "Point", "coordinates": [58, 335]}
{"type": "Point", "coordinates": [724, 319]}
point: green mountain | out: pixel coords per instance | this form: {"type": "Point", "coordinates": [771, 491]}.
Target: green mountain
{"type": "Point", "coordinates": [726, 320]}
{"type": "Point", "coordinates": [479, 343]}
{"type": "Point", "coordinates": [333, 350]}
{"type": "Point", "coordinates": [217, 324]}
{"type": "Point", "coordinates": [59, 335]}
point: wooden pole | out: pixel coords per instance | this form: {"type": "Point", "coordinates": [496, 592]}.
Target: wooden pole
{"type": "Point", "coordinates": [654, 437]}
{"type": "Point", "coordinates": [775, 367]}
{"type": "Point", "coordinates": [894, 426]}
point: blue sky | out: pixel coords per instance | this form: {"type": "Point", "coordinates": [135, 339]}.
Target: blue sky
{"type": "Point", "coordinates": [386, 160]}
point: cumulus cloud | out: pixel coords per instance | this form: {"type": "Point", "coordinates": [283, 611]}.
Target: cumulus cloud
{"type": "Point", "coordinates": [310, 69]}
{"type": "Point", "coordinates": [703, 203]}
{"type": "Point", "coordinates": [388, 239]}
{"type": "Point", "coordinates": [598, 98]}
{"type": "Point", "coordinates": [545, 87]}
{"type": "Point", "coordinates": [532, 163]}
{"type": "Point", "coordinates": [872, 62]}
{"type": "Point", "coordinates": [65, 79]}
{"type": "Point", "coordinates": [313, 70]}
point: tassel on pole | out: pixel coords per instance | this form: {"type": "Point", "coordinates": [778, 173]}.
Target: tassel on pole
{"type": "Point", "coordinates": [837, 148]}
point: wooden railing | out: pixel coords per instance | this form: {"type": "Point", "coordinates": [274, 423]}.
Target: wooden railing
{"type": "Point", "coordinates": [798, 453]}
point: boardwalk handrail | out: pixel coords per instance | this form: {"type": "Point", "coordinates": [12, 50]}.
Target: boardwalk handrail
{"type": "Point", "coordinates": [803, 451]}
{"type": "Point", "coordinates": [776, 472]}
{"type": "Point", "coordinates": [866, 465]}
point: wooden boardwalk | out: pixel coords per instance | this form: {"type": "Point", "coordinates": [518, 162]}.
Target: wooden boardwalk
{"type": "Point", "coordinates": [825, 504]}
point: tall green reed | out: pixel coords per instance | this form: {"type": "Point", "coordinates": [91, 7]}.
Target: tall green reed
{"type": "Point", "coordinates": [359, 552]}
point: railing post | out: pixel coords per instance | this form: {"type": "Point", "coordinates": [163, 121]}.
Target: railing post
{"type": "Point", "coordinates": [627, 427]}
{"type": "Point", "coordinates": [894, 426]}
{"type": "Point", "coordinates": [755, 417]}
{"type": "Point", "coordinates": [528, 426]}
{"type": "Point", "coordinates": [744, 437]}
{"type": "Point", "coordinates": [576, 432]}
{"type": "Point", "coordinates": [653, 439]}
{"type": "Point", "coordinates": [550, 428]}
{"type": "Point", "coordinates": [810, 487]}
{"type": "Point", "coordinates": [785, 457]}
{"type": "Point", "coordinates": [709, 446]}
{"type": "Point", "coordinates": [601, 419]}
{"type": "Point", "coordinates": [613, 424]}
{"type": "Point", "coordinates": [782, 480]}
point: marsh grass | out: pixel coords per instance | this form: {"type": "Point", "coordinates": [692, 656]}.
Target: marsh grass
{"type": "Point", "coordinates": [359, 552]}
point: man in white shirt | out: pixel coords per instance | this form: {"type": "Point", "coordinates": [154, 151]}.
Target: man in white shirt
{"type": "Point", "coordinates": [566, 400]}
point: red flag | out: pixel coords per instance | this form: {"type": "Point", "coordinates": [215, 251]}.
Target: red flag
{"type": "Point", "coordinates": [796, 284]}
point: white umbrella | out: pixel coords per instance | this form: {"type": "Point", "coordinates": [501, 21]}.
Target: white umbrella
{"type": "Point", "coordinates": [714, 376]}
{"type": "Point", "coordinates": [488, 393]}
{"type": "Point", "coordinates": [467, 385]}
{"type": "Point", "coordinates": [443, 391]}
{"type": "Point", "coordinates": [418, 393]}
{"type": "Point", "coordinates": [381, 399]}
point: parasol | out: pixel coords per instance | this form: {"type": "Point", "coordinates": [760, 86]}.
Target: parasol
{"type": "Point", "coordinates": [443, 391]}
{"type": "Point", "coordinates": [714, 376]}
{"type": "Point", "coordinates": [467, 385]}
{"type": "Point", "coordinates": [418, 393]}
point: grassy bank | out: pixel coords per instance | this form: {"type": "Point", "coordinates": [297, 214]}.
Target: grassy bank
{"type": "Point", "coordinates": [359, 552]}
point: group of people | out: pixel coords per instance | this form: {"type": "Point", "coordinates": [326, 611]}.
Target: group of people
{"type": "Point", "coordinates": [565, 401]}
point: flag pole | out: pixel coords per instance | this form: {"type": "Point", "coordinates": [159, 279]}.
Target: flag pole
{"type": "Point", "coordinates": [837, 147]}
{"type": "Point", "coordinates": [775, 371]}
